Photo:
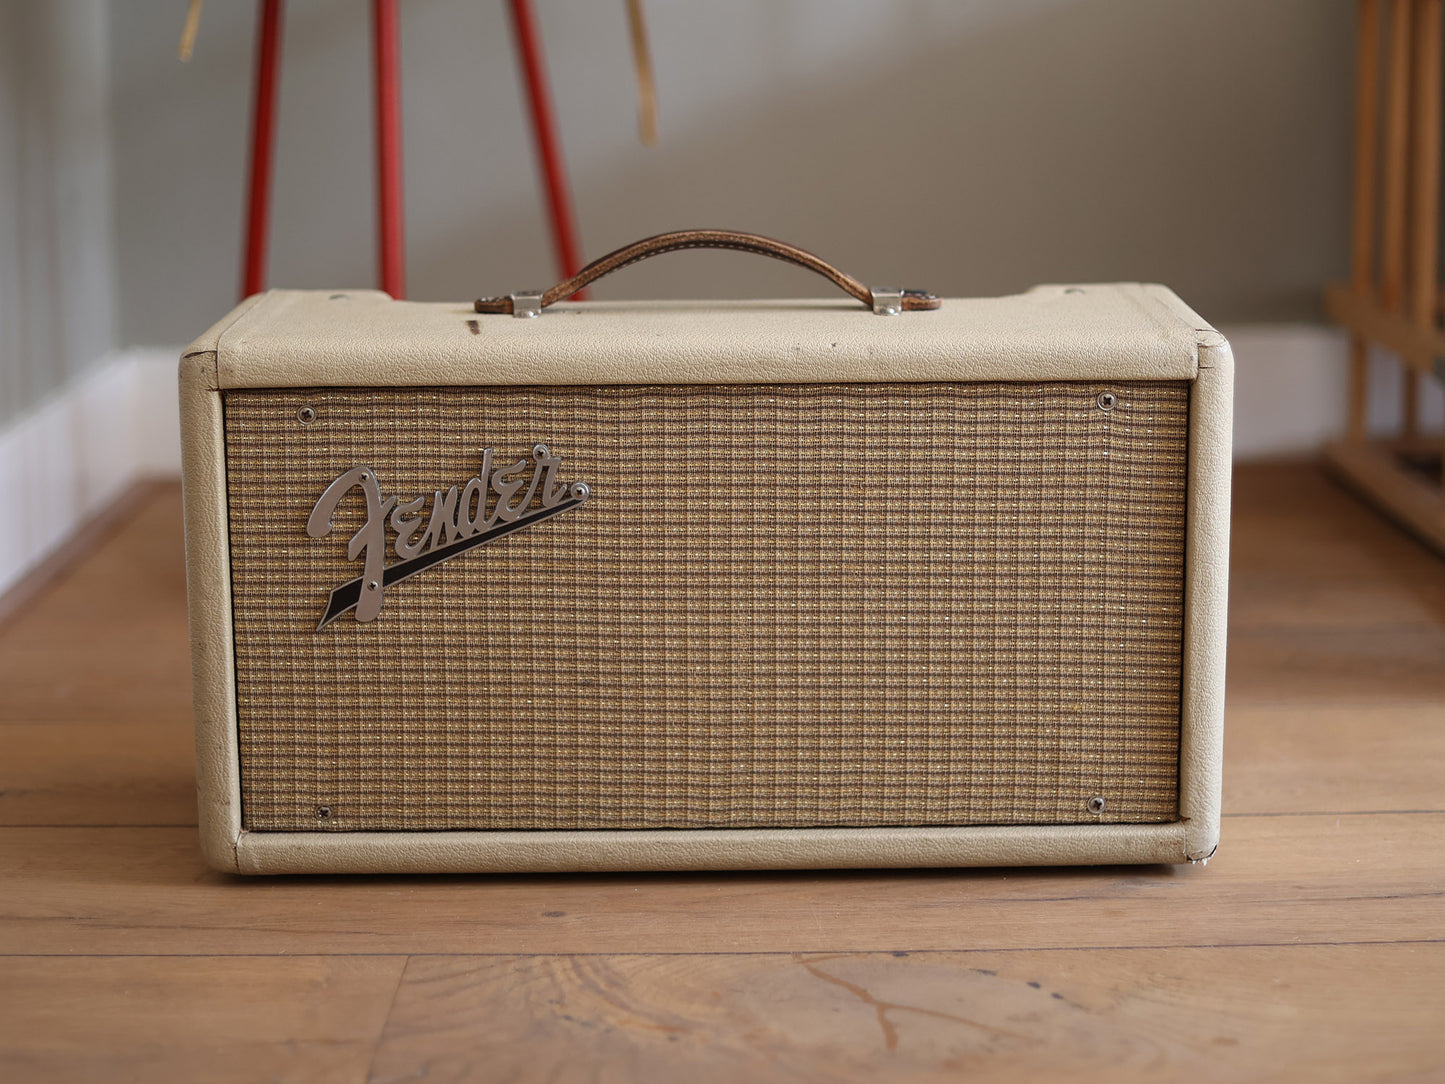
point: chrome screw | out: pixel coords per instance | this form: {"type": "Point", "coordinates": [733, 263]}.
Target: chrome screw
{"type": "Point", "coordinates": [1096, 804]}
{"type": "Point", "coordinates": [306, 415]}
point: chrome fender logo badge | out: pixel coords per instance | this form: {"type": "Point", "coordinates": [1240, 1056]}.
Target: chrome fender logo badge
{"type": "Point", "coordinates": [458, 522]}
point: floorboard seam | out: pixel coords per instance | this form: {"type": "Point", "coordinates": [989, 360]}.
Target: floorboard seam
{"type": "Point", "coordinates": [410, 955]}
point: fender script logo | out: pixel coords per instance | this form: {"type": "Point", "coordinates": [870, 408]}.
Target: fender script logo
{"type": "Point", "coordinates": [458, 522]}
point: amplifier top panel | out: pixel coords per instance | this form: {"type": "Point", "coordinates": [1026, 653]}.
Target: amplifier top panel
{"type": "Point", "coordinates": [291, 338]}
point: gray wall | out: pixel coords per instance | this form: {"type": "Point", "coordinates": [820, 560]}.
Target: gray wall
{"type": "Point", "coordinates": [970, 148]}
{"type": "Point", "coordinates": [56, 290]}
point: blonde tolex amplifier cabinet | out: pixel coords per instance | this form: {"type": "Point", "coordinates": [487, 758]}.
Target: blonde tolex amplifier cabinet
{"type": "Point", "coordinates": [527, 585]}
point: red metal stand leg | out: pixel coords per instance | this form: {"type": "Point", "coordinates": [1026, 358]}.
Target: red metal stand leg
{"type": "Point", "coordinates": [549, 150]}
{"type": "Point", "coordinates": [391, 239]}
{"type": "Point", "coordinates": [263, 131]}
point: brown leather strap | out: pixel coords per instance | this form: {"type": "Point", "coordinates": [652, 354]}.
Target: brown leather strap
{"type": "Point", "coordinates": [727, 239]}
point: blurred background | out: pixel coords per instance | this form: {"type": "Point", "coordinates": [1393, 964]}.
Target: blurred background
{"type": "Point", "coordinates": [970, 148]}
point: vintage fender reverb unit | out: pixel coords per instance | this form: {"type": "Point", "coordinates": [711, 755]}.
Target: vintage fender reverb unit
{"type": "Point", "coordinates": [875, 581]}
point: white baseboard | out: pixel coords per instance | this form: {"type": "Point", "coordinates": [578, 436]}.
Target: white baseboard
{"type": "Point", "coordinates": [69, 457]}
{"type": "Point", "coordinates": [1290, 384]}
{"type": "Point", "coordinates": [1289, 388]}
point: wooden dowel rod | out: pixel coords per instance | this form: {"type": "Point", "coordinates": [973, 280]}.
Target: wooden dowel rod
{"type": "Point", "coordinates": [188, 32]}
{"type": "Point", "coordinates": [1425, 193]}
{"type": "Point", "coordinates": [1425, 214]}
{"type": "Point", "coordinates": [1359, 390]}
{"type": "Point", "coordinates": [1425, 158]}
{"type": "Point", "coordinates": [1396, 179]}
{"type": "Point", "coordinates": [646, 84]}
{"type": "Point", "coordinates": [1396, 157]}
{"type": "Point", "coordinates": [1367, 134]}
{"type": "Point", "coordinates": [1362, 240]}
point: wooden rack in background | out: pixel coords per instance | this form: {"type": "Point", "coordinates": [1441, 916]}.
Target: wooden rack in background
{"type": "Point", "coordinates": [1393, 300]}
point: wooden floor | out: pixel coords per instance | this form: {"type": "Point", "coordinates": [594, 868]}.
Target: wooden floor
{"type": "Point", "coordinates": [1312, 947]}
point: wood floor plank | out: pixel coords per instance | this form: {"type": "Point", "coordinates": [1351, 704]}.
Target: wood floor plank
{"type": "Point", "coordinates": [151, 1019]}
{"type": "Point", "coordinates": [97, 533]}
{"type": "Point", "coordinates": [1290, 574]}
{"type": "Point", "coordinates": [1295, 597]}
{"type": "Point", "coordinates": [1305, 552]}
{"type": "Point", "coordinates": [1359, 667]}
{"type": "Point", "coordinates": [107, 640]}
{"type": "Point", "coordinates": [117, 772]}
{"type": "Point", "coordinates": [1175, 1014]}
{"type": "Point", "coordinates": [1276, 880]}
{"type": "Point", "coordinates": [1284, 758]}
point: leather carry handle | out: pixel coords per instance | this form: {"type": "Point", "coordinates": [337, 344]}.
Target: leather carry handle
{"type": "Point", "coordinates": [885, 302]}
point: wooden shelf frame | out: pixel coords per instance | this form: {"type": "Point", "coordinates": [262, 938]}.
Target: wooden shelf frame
{"type": "Point", "coordinates": [1393, 300]}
